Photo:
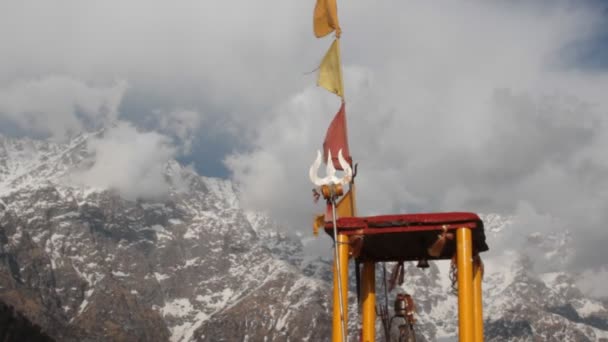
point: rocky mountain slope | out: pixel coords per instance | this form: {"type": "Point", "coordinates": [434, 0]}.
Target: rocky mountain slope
{"type": "Point", "coordinates": [520, 304]}
{"type": "Point", "coordinates": [14, 327]}
{"type": "Point", "coordinates": [87, 265]}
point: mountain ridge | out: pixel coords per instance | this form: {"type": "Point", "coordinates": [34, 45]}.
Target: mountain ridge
{"type": "Point", "coordinates": [86, 264]}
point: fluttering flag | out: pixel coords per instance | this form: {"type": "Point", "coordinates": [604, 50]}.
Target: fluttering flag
{"type": "Point", "coordinates": [318, 223]}
{"type": "Point", "coordinates": [325, 19]}
{"type": "Point", "coordinates": [336, 139]}
{"type": "Point", "coordinates": [330, 70]}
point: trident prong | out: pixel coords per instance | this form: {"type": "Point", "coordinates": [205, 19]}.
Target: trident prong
{"type": "Point", "coordinates": [348, 171]}
{"type": "Point", "coordinates": [330, 170]}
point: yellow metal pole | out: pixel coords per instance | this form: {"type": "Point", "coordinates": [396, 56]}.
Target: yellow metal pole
{"type": "Point", "coordinates": [336, 328]}
{"type": "Point", "coordinates": [464, 256]}
{"type": "Point", "coordinates": [369, 301]}
{"type": "Point", "coordinates": [477, 301]}
{"type": "Point", "coordinates": [344, 210]}
{"type": "Point", "coordinates": [353, 200]}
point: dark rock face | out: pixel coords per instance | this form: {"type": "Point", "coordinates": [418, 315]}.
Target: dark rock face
{"type": "Point", "coordinates": [14, 327]}
{"type": "Point", "coordinates": [502, 330]}
{"type": "Point", "coordinates": [86, 265]}
{"type": "Point", "coordinates": [63, 274]}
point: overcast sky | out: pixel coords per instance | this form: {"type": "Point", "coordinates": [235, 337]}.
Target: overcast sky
{"type": "Point", "coordinates": [486, 106]}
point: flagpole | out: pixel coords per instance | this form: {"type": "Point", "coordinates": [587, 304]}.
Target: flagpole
{"type": "Point", "coordinates": [368, 288]}
{"type": "Point", "coordinates": [337, 242]}
{"type": "Point", "coordinates": [325, 21]}
{"type": "Point", "coordinates": [341, 238]}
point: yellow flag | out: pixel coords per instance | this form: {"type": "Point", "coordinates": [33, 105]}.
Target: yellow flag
{"type": "Point", "coordinates": [325, 18]}
{"type": "Point", "coordinates": [330, 70]}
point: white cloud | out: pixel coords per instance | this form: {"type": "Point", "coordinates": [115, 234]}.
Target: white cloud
{"type": "Point", "coordinates": [274, 173]}
{"type": "Point", "coordinates": [130, 162]}
{"type": "Point", "coordinates": [182, 124]}
{"type": "Point", "coordinates": [233, 56]}
{"type": "Point", "coordinates": [59, 106]}
{"type": "Point", "coordinates": [593, 282]}
{"type": "Point", "coordinates": [458, 106]}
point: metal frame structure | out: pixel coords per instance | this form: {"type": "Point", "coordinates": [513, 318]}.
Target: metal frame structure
{"type": "Point", "coordinates": [373, 239]}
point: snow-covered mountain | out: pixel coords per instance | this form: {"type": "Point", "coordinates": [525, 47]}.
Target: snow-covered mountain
{"type": "Point", "coordinates": [520, 304]}
{"type": "Point", "coordinates": [87, 265]}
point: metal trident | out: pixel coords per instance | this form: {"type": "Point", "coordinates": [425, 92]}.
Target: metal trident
{"type": "Point", "coordinates": [331, 179]}
{"type": "Point", "coordinates": [330, 170]}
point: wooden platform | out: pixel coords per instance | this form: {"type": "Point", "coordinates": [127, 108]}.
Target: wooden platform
{"type": "Point", "coordinates": [406, 237]}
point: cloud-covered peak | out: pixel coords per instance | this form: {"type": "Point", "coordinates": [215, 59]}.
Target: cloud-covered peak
{"type": "Point", "coordinates": [129, 161]}
{"type": "Point", "coordinates": [58, 106]}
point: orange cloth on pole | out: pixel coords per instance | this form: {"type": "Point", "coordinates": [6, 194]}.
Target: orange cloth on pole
{"type": "Point", "coordinates": [325, 19]}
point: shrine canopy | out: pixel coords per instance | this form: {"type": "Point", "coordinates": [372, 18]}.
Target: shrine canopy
{"type": "Point", "coordinates": [407, 237]}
